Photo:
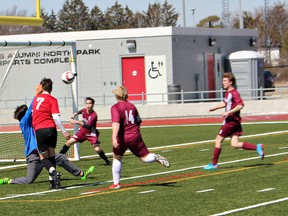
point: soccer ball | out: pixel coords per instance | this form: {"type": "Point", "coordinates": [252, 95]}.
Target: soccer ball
{"type": "Point", "coordinates": [67, 77]}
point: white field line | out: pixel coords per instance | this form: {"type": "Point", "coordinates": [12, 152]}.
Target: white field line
{"type": "Point", "coordinates": [149, 191]}
{"type": "Point", "coordinates": [252, 206]}
{"type": "Point", "coordinates": [168, 146]}
{"type": "Point", "coordinates": [204, 191]}
{"type": "Point", "coordinates": [135, 177]}
{"type": "Point", "coordinates": [265, 190]}
{"type": "Point", "coordinates": [199, 142]}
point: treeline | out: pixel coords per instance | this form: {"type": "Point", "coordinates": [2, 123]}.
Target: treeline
{"type": "Point", "coordinates": [76, 16]}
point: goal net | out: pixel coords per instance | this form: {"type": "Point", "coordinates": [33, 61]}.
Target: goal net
{"type": "Point", "coordinates": [22, 66]}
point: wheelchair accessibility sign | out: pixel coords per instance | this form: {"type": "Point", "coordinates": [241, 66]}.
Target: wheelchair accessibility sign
{"type": "Point", "coordinates": [155, 66]}
{"type": "Point", "coordinates": [155, 75]}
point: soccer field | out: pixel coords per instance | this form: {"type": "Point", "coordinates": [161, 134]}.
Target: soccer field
{"type": "Point", "coordinates": [244, 184]}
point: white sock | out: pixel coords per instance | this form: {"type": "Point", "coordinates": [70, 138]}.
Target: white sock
{"type": "Point", "coordinates": [149, 158]}
{"type": "Point", "coordinates": [116, 170]}
{"type": "Point", "coordinates": [51, 170]}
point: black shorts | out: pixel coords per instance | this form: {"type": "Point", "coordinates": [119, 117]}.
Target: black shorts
{"type": "Point", "coordinates": [46, 137]}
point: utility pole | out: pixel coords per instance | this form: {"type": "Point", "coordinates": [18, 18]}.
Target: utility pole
{"type": "Point", "coordinates": [241, 25]}
{"type": "Point", "coordinates": [267, 36]}
{"type": "Point", "coordinates": [184, 13]}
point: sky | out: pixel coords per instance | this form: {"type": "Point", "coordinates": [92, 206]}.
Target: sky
{"type": "Point", "coordinates": [201, 8]}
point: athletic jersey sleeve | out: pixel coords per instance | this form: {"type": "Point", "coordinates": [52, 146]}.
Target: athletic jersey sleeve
{"type": "Point", "coordinates": [54, 107]}
{"type": "Point", "coordinates": [58, 122]}
{"type": "Point", "coordinates": [27, 118]}
{"type": "Point", "coordinates": [237, 98]}
{"type": "Point", "coordinates": [115, 114]}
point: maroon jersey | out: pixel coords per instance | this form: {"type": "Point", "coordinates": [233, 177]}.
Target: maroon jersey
{"type": "Point", "coordinates": [43, 107]}
{"type": "Point", "coordinates": [89, 119]}
{"type": "Point", "coordinates": [232, 99]}
{"type": "Point", "coordinates": [126, 114]}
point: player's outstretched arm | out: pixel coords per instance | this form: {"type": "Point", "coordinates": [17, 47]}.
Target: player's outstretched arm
{"type": "Point", "coordinates": [219, 106]}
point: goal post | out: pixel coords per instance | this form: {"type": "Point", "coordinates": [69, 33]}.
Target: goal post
{"type": "Point", "coordinates": [19, 20]}
{"type": "Point", "coordinates": [22, 66]}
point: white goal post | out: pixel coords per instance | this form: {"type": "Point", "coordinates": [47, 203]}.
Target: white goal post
{"type": "Point", "coordinates": [15, 59]}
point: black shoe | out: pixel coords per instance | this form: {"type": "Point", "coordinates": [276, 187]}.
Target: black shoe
{"type": "Point", "coordinates": [108, 163]}
{"type": "Point", "coordinates": [57, 180]}
{"type": "Point", "coordinates": [51, 184]}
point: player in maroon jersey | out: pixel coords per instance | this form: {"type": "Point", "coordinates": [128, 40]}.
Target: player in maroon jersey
{"type": "Point", "coordinates": [45, 119]}
{"type": "Point", "coordinates": [126, 135]}
{"type": "Point", "coordinates": [232, 122]}
{"type": "Point", "coordinates": [88, 130]}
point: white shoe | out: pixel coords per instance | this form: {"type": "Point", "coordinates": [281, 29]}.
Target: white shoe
{"type": "Point", "coordinates": [162, 160]}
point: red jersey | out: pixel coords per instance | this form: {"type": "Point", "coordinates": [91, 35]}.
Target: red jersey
{"type": "Point", "coordinates": [232, 99]}
{"type": "Point", "coordinates": [89, 119]}
{"type": "Point", "coordinates": [127, 115]}
{"type": "Point", "coordinates": [43, 107]}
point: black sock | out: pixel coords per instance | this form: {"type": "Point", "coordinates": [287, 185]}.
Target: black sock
{"type": "Point", "coordinates": [64, 149]}
{"type": "Point", "coordinates": [53, 161]}
{"type": "Point", "coordinates": [103, 156]}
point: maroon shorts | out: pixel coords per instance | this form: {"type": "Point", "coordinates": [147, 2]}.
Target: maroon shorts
{"type": "Point", "coordinates": [230, 128]}
{"type": "Point", "coordinates": [137, 147]}
{"type": "Point", "coordinates": [81, 137]}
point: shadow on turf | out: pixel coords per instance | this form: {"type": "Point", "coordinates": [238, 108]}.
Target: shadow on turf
{"type": "Point", "coordinates": [165, 184]}
{"type": "Point", "coordinates": [254, 165]}
{"type": "Point", "coordinates": [259, 165]}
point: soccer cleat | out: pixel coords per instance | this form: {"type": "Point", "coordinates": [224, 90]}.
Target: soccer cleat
{"type": "Point", "coordinates": [162, 160]}
{"type": "Point", "coordinates": [5, 181]}
{"type": "Point", "coordinates": [108, 163]}
{"type": "Point", "coordinates": [55, 182]}
{"type": "Point", "coordinates": [260, 150]}
{"type": "Point", "coordinates": [211, 167]}
{"type": "Point", "coordinates": [115, 186]}
{"type": "Point", "coordinates": [87, 173]}
{"type": "Point", "coordinates": [51, 184]}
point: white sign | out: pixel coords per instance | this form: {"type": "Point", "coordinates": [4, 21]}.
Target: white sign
{"type": "Point", "coordinates": [156, 78]}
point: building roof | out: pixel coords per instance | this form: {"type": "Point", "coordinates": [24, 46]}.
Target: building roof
{"type": "Point", "coordinates": [128, 33]}
{"type": "Point", "coordinates": [245, 54]}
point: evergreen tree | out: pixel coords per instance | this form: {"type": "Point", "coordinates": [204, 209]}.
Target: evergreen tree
{"type": "Point", "coordinates": [169, 15]}
{"type": "Point", "coordinates": [74, 16]}
{"type": "Point", "coordinates": [50, 21]}
{"type": "Point", "coordinates": [97, 19]}
{"type": "Point", "coordinates": [115, 17]}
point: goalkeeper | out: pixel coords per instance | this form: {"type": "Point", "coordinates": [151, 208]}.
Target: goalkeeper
{"type": "Point", "coordinates": [34, 164]}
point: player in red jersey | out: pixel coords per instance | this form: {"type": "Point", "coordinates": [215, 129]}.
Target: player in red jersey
{"type": "Point", "coordinates": [232, 122]}
{"type": "Point", "coordinates": [88, 130]}
{"type": "Point", "coordinates": [45, 119]}
{"type": "Point", "coordinates": [126, 135]}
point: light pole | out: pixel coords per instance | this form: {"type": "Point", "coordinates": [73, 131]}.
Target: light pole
{"type": "Point", "coordinates": [193, 14]}
{"type": "Point", "coordinates": [184, 14]}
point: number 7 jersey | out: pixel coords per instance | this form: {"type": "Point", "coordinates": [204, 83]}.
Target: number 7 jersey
{"type": "Point", "coordinates": [43, 107]}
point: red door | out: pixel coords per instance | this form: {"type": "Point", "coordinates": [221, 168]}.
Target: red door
{"type": "Point", "coordinates": [133, 76]}
{"type": "Point", "coordinates": [211, 75]}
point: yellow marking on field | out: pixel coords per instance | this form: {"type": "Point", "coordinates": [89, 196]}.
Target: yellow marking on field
{"type": "Point", "coordinates": [70, 198]}
{"type": "Point", "coordinates": [211, 173]}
